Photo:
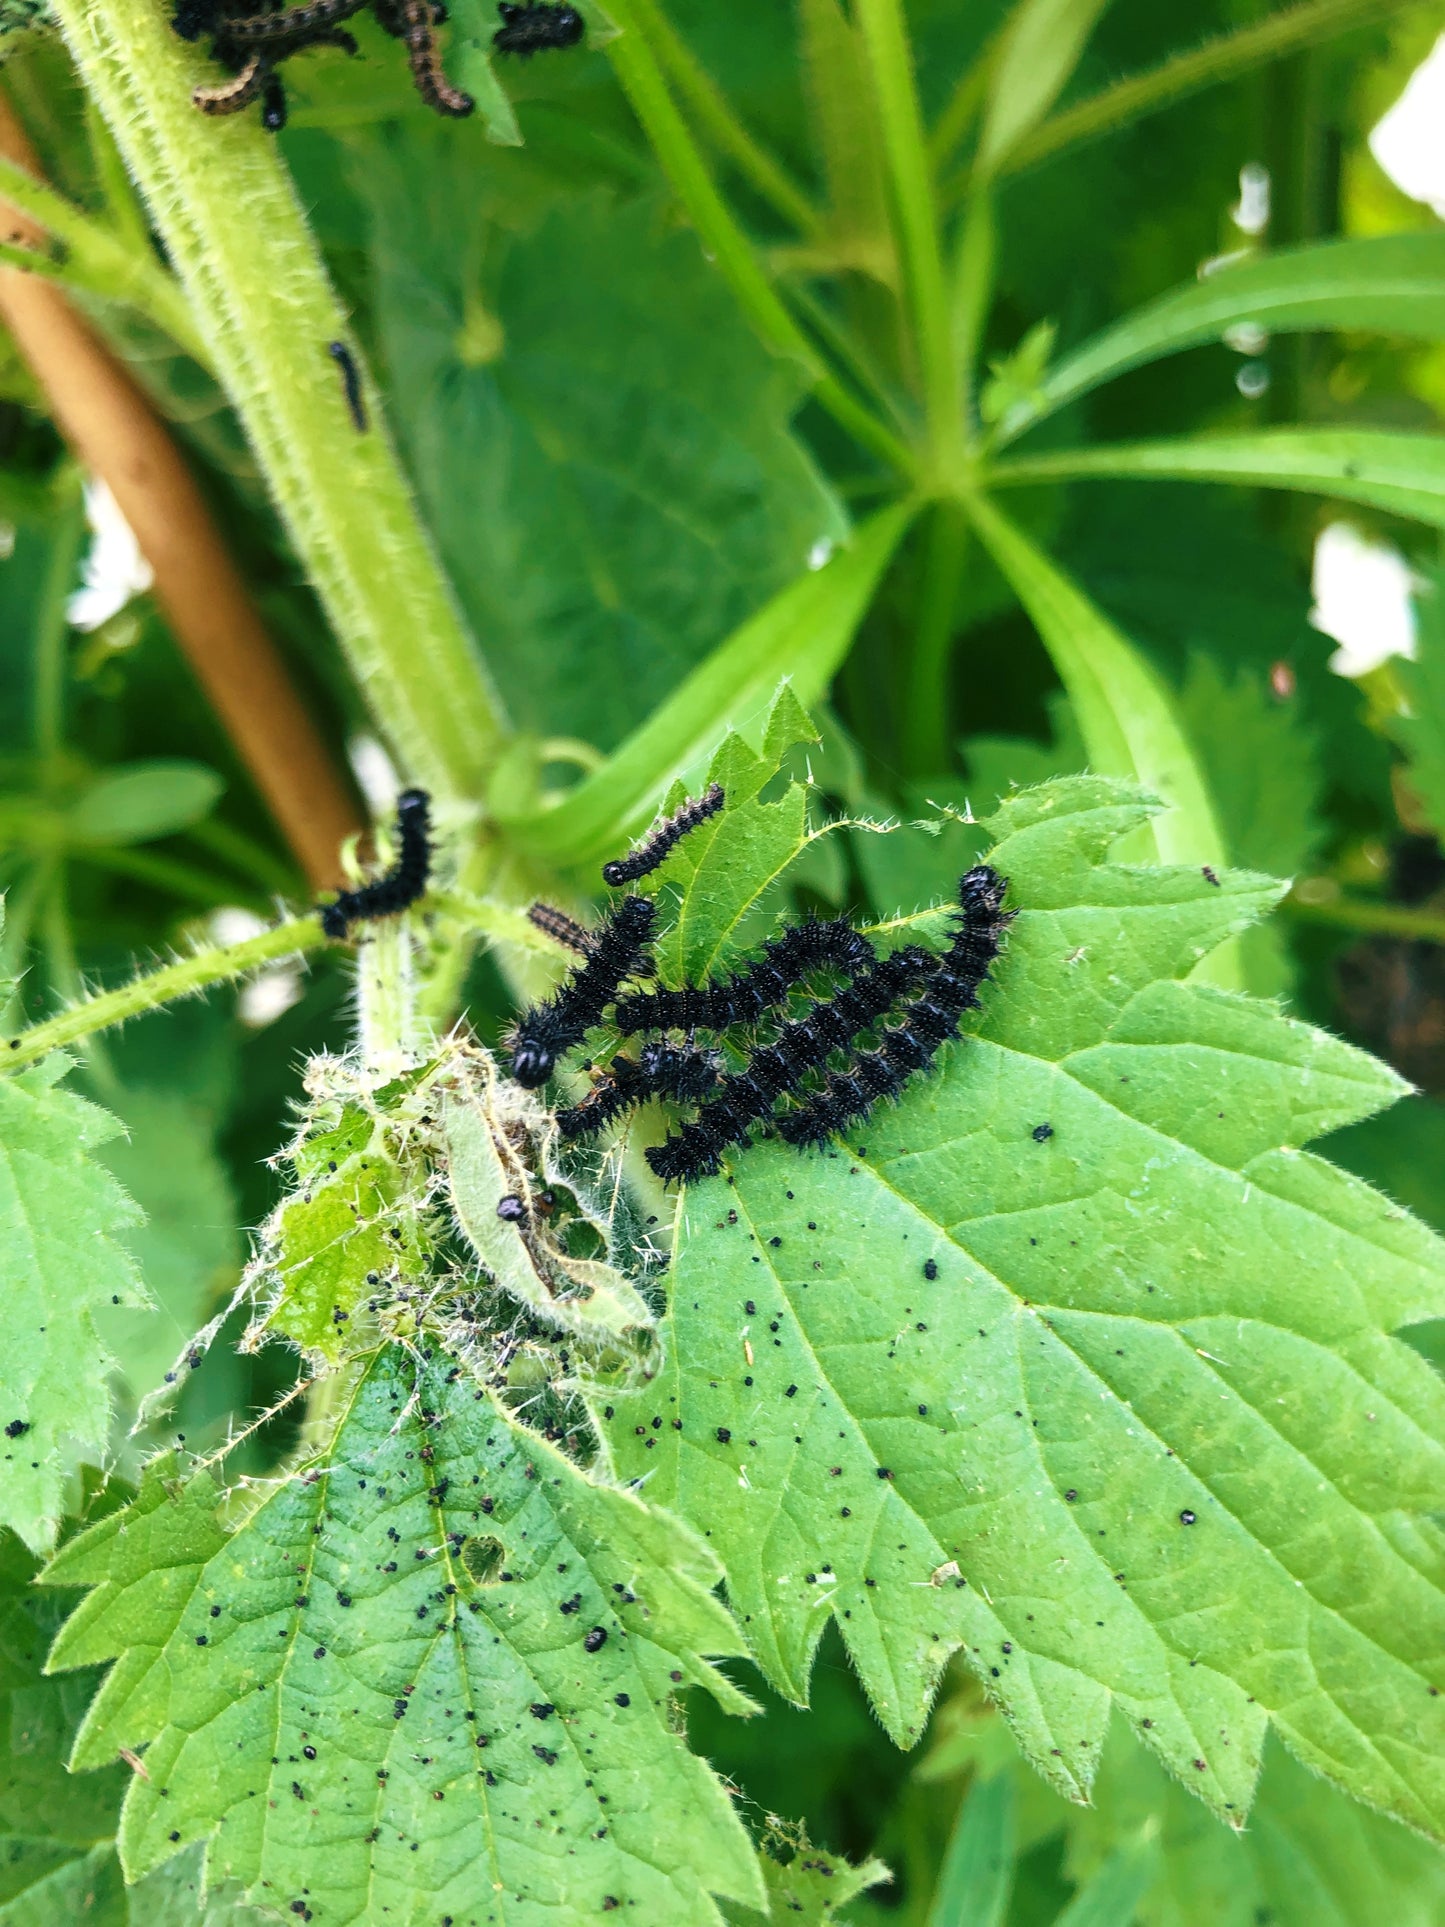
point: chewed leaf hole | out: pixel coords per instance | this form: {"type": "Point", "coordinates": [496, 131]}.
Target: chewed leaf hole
{"type": "Point", "coordinates": [482, 1559]}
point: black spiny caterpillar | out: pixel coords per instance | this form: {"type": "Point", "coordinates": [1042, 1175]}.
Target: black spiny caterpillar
{"type": "Point", "coordinates": [910, 1045]}
{"type": "Point", "coordinates": [681, 1072]}
{"type": "Point", "coordinates": [774, 1070]}
{"type": "Point", "coordinates": [536, 27]}
{"type": "Point", "coordinates": [661, 839]}
{"type": "Point", "coordinates": [616, 950]}
{"type": "Point", "coordinates": [402, 884]}
{"type": "Point", "coordinates": [758, 987]}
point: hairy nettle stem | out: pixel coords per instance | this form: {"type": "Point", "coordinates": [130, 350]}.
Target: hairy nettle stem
{"type": "Point", "coordinates": [267, 316]}
{"type": "Point", "coordinates": [184, 978]}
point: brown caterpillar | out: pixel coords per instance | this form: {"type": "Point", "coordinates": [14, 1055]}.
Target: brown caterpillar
{"type": "Point", "coordinates": [426, 65]}
{"type": "Point", "coordinates": [561, 928]}
{"type": "Point", "coordinates": [302, 20]}
{"type": "Point", "coordinates": [230, 96]}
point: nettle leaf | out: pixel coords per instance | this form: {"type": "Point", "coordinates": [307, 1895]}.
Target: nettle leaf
{"type": "Point", "coordinates": [1309, 1857]}
{"type": "Point", "coordinates": [62, 1259]}
{"type": "Point", "coordinates": [1086, 1366]}
{"type": "Point", "coordinates": [326, 1251]}
{"type": "Point", "coordinates": [433, 1675]}
{"type": "Point", "coordinates": [525, 394]}
{"type": "Point", "coordinates": [56, 1858]}
{"type": "Point", "coordinates": [57, 1829]}
{"type": "Point", "coordinates": [806, 1886]}
{"type": "Point", "coordinates": [721, 870]}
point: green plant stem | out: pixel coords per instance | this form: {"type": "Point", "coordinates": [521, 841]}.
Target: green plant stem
{"type": "Point", "coordinates": [643, 83]}
{"type": "Point", "coordinates": [971, 291]}
{"type": "Point", "coordinates": [713, 116]}
{"type": "Point", "coordinates": [890, 58]}
{"type": "Point", "coordinates": [24, 900]}
{"type": "Point", "coordinates": [198, 972]}
{"type": "Point", "coordinates": [1375, 919]}
{"type": "Point", "coordinates": [1220, 59]}
{"type": "Point", "coordinates": [95, 261]}
{"type": "Point", "coordinates": [964, 105]}
{"type": "Point", "coordinates": [236, 235]}
{"type": "Point", "coordinates": [245, 855]}
{"type": "Point", "coordinates": [926, 719]}
{"type": "Point", "coordinates": [51, 632]}
{"type": "Point", "coordinates": [124, 215]}
{"type": "Point", "coordinates": [168, 875]}
{"type": "Point", "coordinates": [58, 942]}
{"type": "Point", "coordinates": [844, 345]}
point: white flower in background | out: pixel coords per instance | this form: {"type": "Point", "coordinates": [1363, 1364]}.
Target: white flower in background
{"type": "Point", "coordinates": [1251, 216]}
{"type": "Point", "coordinates": [375, 773]}
{"type": "Point", "coordinates": [114, 571]}
{"type": "Point", "coordinates": [1363, 600]}
{"type": "Point", "coordinates": [266, 997]}
{"type": "Point", "coordinates": [270, 992]}
{"type": "Point", "coordinates": [1407, 141]}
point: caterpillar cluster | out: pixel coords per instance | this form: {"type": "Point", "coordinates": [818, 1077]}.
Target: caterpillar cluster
{"type": "Point", "coordinates": [809, 1076]}
{"type": "Point", "coordinates": [251, 38]}
{"type": "Point", "coordinates": [402, 884]}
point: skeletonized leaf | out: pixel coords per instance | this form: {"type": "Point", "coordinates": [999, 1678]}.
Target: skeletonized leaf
{"type": "Point", "coordinates": [1087, 1366]}
{"type": "Point", "coordinates": [483, 1121]}
{"type": "Point", "coordinates": [61, 1260]}
{"type": "Point", "coordinates": [432, 1676]}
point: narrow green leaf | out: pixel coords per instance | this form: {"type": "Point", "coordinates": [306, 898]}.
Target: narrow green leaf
{"type": "Point", "coordinates": [1022, 1366]}
{"type": "Point", "coordinates": [138, 802]}
{"type": "Point", "coordinates": [62, 1259]}
{"type": "Point", "coordinates": [845, 131]}
{"type": "Point", "coordinates": [1124, 712]}
{"type": "Point", "coordinates": [1393, 283]}
{"type": "Point", "coordinates": [804, 633]}
{"type": "Point", "coordinates": [1403, 474]}
{"type": "Point", "coordinates": [442, 1663]}
{"type": "Point", "coordinates": [977, 1873]}
{"type": "Point", "coordinates": [1309, 1857]}
{"type": "Point", "coordinates": [1111, 1896]}
{"type": "Point", "coordinates": [1421, 732]}
{"type": "Point", "coordinates": [1040, 49]}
